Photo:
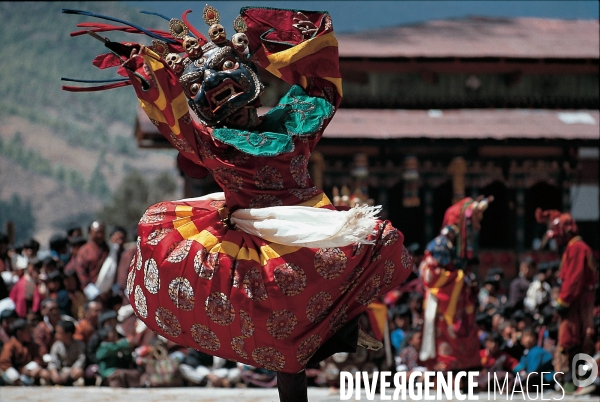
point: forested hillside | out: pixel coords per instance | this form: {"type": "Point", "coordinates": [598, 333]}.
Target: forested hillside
{"type": "Point", "coordinates": [62, 154]}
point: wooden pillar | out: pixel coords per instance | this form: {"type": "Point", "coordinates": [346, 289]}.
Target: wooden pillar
{"type": "Point", "coordinates": [458, 169]}
{"type": "Point", "coordinates": [520, 212]}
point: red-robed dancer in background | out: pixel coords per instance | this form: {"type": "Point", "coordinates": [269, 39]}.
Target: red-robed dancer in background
{"type": "Point", "coordinates": [267, 273]}
{"type": "Point", "coordinates": [450, 341]}
{"type": "Point", "coordinates": [575, 303]}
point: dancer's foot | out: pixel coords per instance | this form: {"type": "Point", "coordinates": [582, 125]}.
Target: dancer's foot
{"type": "Point", "coordinates": [367, 341]}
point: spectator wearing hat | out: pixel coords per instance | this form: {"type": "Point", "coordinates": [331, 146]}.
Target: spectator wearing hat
{"type": "Point", "coordinates": [67, 362]}
{"type": "Point", "coordinates": [495, 361]}
{"type": "Point", "coordinates": [25, 293]}
{"type": "Point", "coordinates": [519, 286]}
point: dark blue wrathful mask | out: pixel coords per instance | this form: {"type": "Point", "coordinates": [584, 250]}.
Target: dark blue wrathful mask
{"type": "Point", "coordinates": [219, 83]}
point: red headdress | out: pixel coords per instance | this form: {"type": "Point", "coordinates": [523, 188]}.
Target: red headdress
{"type": "Point", "coordinates": [464, 217]}
{"type": "Point", "coordinates": [560, 225]}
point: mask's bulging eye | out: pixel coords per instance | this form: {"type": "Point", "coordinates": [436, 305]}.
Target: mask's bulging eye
{"type": "Point", "coordinates": [230, 65]}
{"type": "Point", "coordinates": [194, 88]}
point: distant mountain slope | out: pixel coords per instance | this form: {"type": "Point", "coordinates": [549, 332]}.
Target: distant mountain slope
{"type": "Point", "coordinates": [65, 152]}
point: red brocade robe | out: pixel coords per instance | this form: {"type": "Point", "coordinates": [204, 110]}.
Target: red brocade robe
{"type": "Point", "coordinates": [227, 293]}
{"type": "Point", "coordinates": [455, 330]}
{"type": "Point", "coordinates": [579, 277]}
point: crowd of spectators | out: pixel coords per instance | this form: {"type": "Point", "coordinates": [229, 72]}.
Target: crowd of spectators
{"type": "Point", "coordinates": [65, 320]}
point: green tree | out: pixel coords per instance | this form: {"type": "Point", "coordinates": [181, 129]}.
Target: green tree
{"type": "Point", "coordinates": [20, 212]}
{"type": "Point", "coordinates": [133, 196]}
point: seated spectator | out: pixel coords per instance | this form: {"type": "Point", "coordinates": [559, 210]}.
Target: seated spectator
{"type": "Point", "coordinates": [88, 325]}
{"type": "Point", "coordinates": [202, 369]}
{"type": "Point", "coordinates": [401, 321]}
{"type": "Point", "coordinates": [67, 356]}
{"type": "Point", "coordinates": [519, 286]}
{"type": "Point", "coordinates": [78, 299]}
{"type": "Point", "coordinates": [511, 338]}
{"type": "Point", "coordinates": [20, 361]}
{"type": "Point", "coordinates": [56, 291]}
{"type": "Point", "coordinates": [59, 249]}
{"type": "Point", "coordinates": [495, 362]}
{"type": "Point", "coordinates": [415, 304]}
{"type": "Point", "coordinates": [108, 319]}
{"type": "Point", "coordinates": [25, 293]}
{"type": "Point", "coordinates": [409, 355]}
{"type": "Point", "coordinates": [493, 299]}
{"type": "Point", "coordinates": [7, 317]}
{"type": "Point", "coordinates": [43, 333]}
{"type": "Point", "coordinates": [535, 360]}
{"type": "Point", "coordinates": [115, 360]}
{"type": "Point", "coordinates": [539, 291]}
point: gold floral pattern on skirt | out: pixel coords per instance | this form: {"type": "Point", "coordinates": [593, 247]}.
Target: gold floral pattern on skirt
{"type": "Point", "coordinates": [307, 348]}
{"type": "Point", "coordinates": [388, 273]}
{"type": "Point", "coordinates": [228, 178]}
{"type": "Point", "coordinates": [151, 278]}
{"type": "Point", "coordinates": [406, 258]}
{"type": "Point", "coordinates": [304, 193]}
{"type": "Point", "coordinates": [155, 213]}
{"type": "Point", "coordinates": [182, 293]}
{"type": "Point", "coordinates": [130, 280]}
{"type": "Point", "coordinates": [247, 324]}
{"type": "Point", "coordinates": [168, 322]}
{"type": "Point", "coordinates": [299, 170]}
{"type": "Point", "coordinates": [318, 306]}
{"type": "Point", "coordinates": [205, 338]}
{"type": "Point", "coordinates": [338, 318]}
{"type": "Point", "coordinates": [205, 264]}
{"type": "Point", "coordinates": [390, 235]}
{"type": "Point", "coordinates": [350, 283]}
{"type": "Point", "coordinates": [281, 323]}
{"type": "Point", "coordinates": [290, 278]}
{"type": "Point", "coordinates": [140, 302]}
{"type": "Point", "coordinates": [219, 308]}
{"type": "Point", "coordinates": [330, 262]}
{"type": "Point", "coordinates": [268, 357]}
{"type": "Point", "coordinates": [265, 201]}
{"type": "Point", "coordinates": [370, 291]}
{"type": "Point", "coordinates": [268, 178]}
{"type": "Point", "coordinates": [180, 251]}
{"type": "Point", "coordinates": [254, 285]}
{"type": "Point", "coordinates": [157, 235]}
{"type": "Point", "coordinates": [237, 344]}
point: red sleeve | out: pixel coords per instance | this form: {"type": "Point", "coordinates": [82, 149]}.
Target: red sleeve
{"type": "Point", "coordinates": [572, 272]}
{"type": "Point", "coordinates": [311, 61]}
{"type": "Point", "coordinates": [162, 99]}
